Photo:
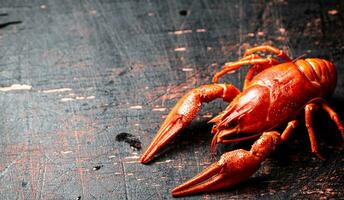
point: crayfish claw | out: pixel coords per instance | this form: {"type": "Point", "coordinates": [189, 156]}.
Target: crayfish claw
{"type": "Point", "coordinates": [197, 183]}
{"type": "Point", "coordinates": [164, 135]}
{"type": "Point", "coordinates": [232, 168]}
{"type": "Point", "coordinates": [184, 112]}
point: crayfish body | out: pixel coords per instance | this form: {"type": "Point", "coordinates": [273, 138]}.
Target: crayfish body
{"type": "Point", "coordinates": [274, 94]}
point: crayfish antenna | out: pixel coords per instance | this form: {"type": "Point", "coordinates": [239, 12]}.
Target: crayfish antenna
{"type": "Point", "coordinates": [214, 143]}
{"type": "Point", "coordinates": [217, 119]}
{"type": "Point", "coordinates": [219, 135]}
{"type": "Point", "coordinates": [232, 168]}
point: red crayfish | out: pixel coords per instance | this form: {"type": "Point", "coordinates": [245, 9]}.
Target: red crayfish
{"type": "Point", "coordinates": [274, 94]}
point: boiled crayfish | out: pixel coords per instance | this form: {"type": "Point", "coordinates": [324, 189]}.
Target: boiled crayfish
{"type": "Point", "coordinates": [274, 94]}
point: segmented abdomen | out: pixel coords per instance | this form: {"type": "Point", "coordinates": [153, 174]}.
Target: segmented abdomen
{"type": "Point", "coordinates": [319, 72]}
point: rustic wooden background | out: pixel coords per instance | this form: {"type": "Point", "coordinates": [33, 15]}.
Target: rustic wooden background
{"type": "Point", "coordinates": [85, 84]}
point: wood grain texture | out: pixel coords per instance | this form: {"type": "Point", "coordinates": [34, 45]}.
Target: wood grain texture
{"type": "Point", "coordinates": [90, 70]}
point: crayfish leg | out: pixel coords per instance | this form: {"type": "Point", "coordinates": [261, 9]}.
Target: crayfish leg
{"type": "Point", "coordinates": [255, 69]}
{"type": "Point", "coordinates": [309, 108]}
{"type": "Point", "coordinates": [308, 120]}
{"type": "Point", "coordinates": [334, 117]}
{"type": "Point", "coordinates": [229, 67]}
{"type": "Point", "coordinates": [288, 130]}
{"type": "Point", "coordinates": [279, 53]}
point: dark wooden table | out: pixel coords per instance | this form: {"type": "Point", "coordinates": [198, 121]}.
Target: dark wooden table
{"type": "Point", "coordinates": [85, 83]}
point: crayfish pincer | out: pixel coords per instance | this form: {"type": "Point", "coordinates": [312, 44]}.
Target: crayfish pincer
{"type": "Point", "coordinates": [275, 94]}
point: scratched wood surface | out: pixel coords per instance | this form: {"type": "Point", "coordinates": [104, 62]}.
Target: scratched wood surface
{"type": "Point", "coordinates": [85, 84]}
